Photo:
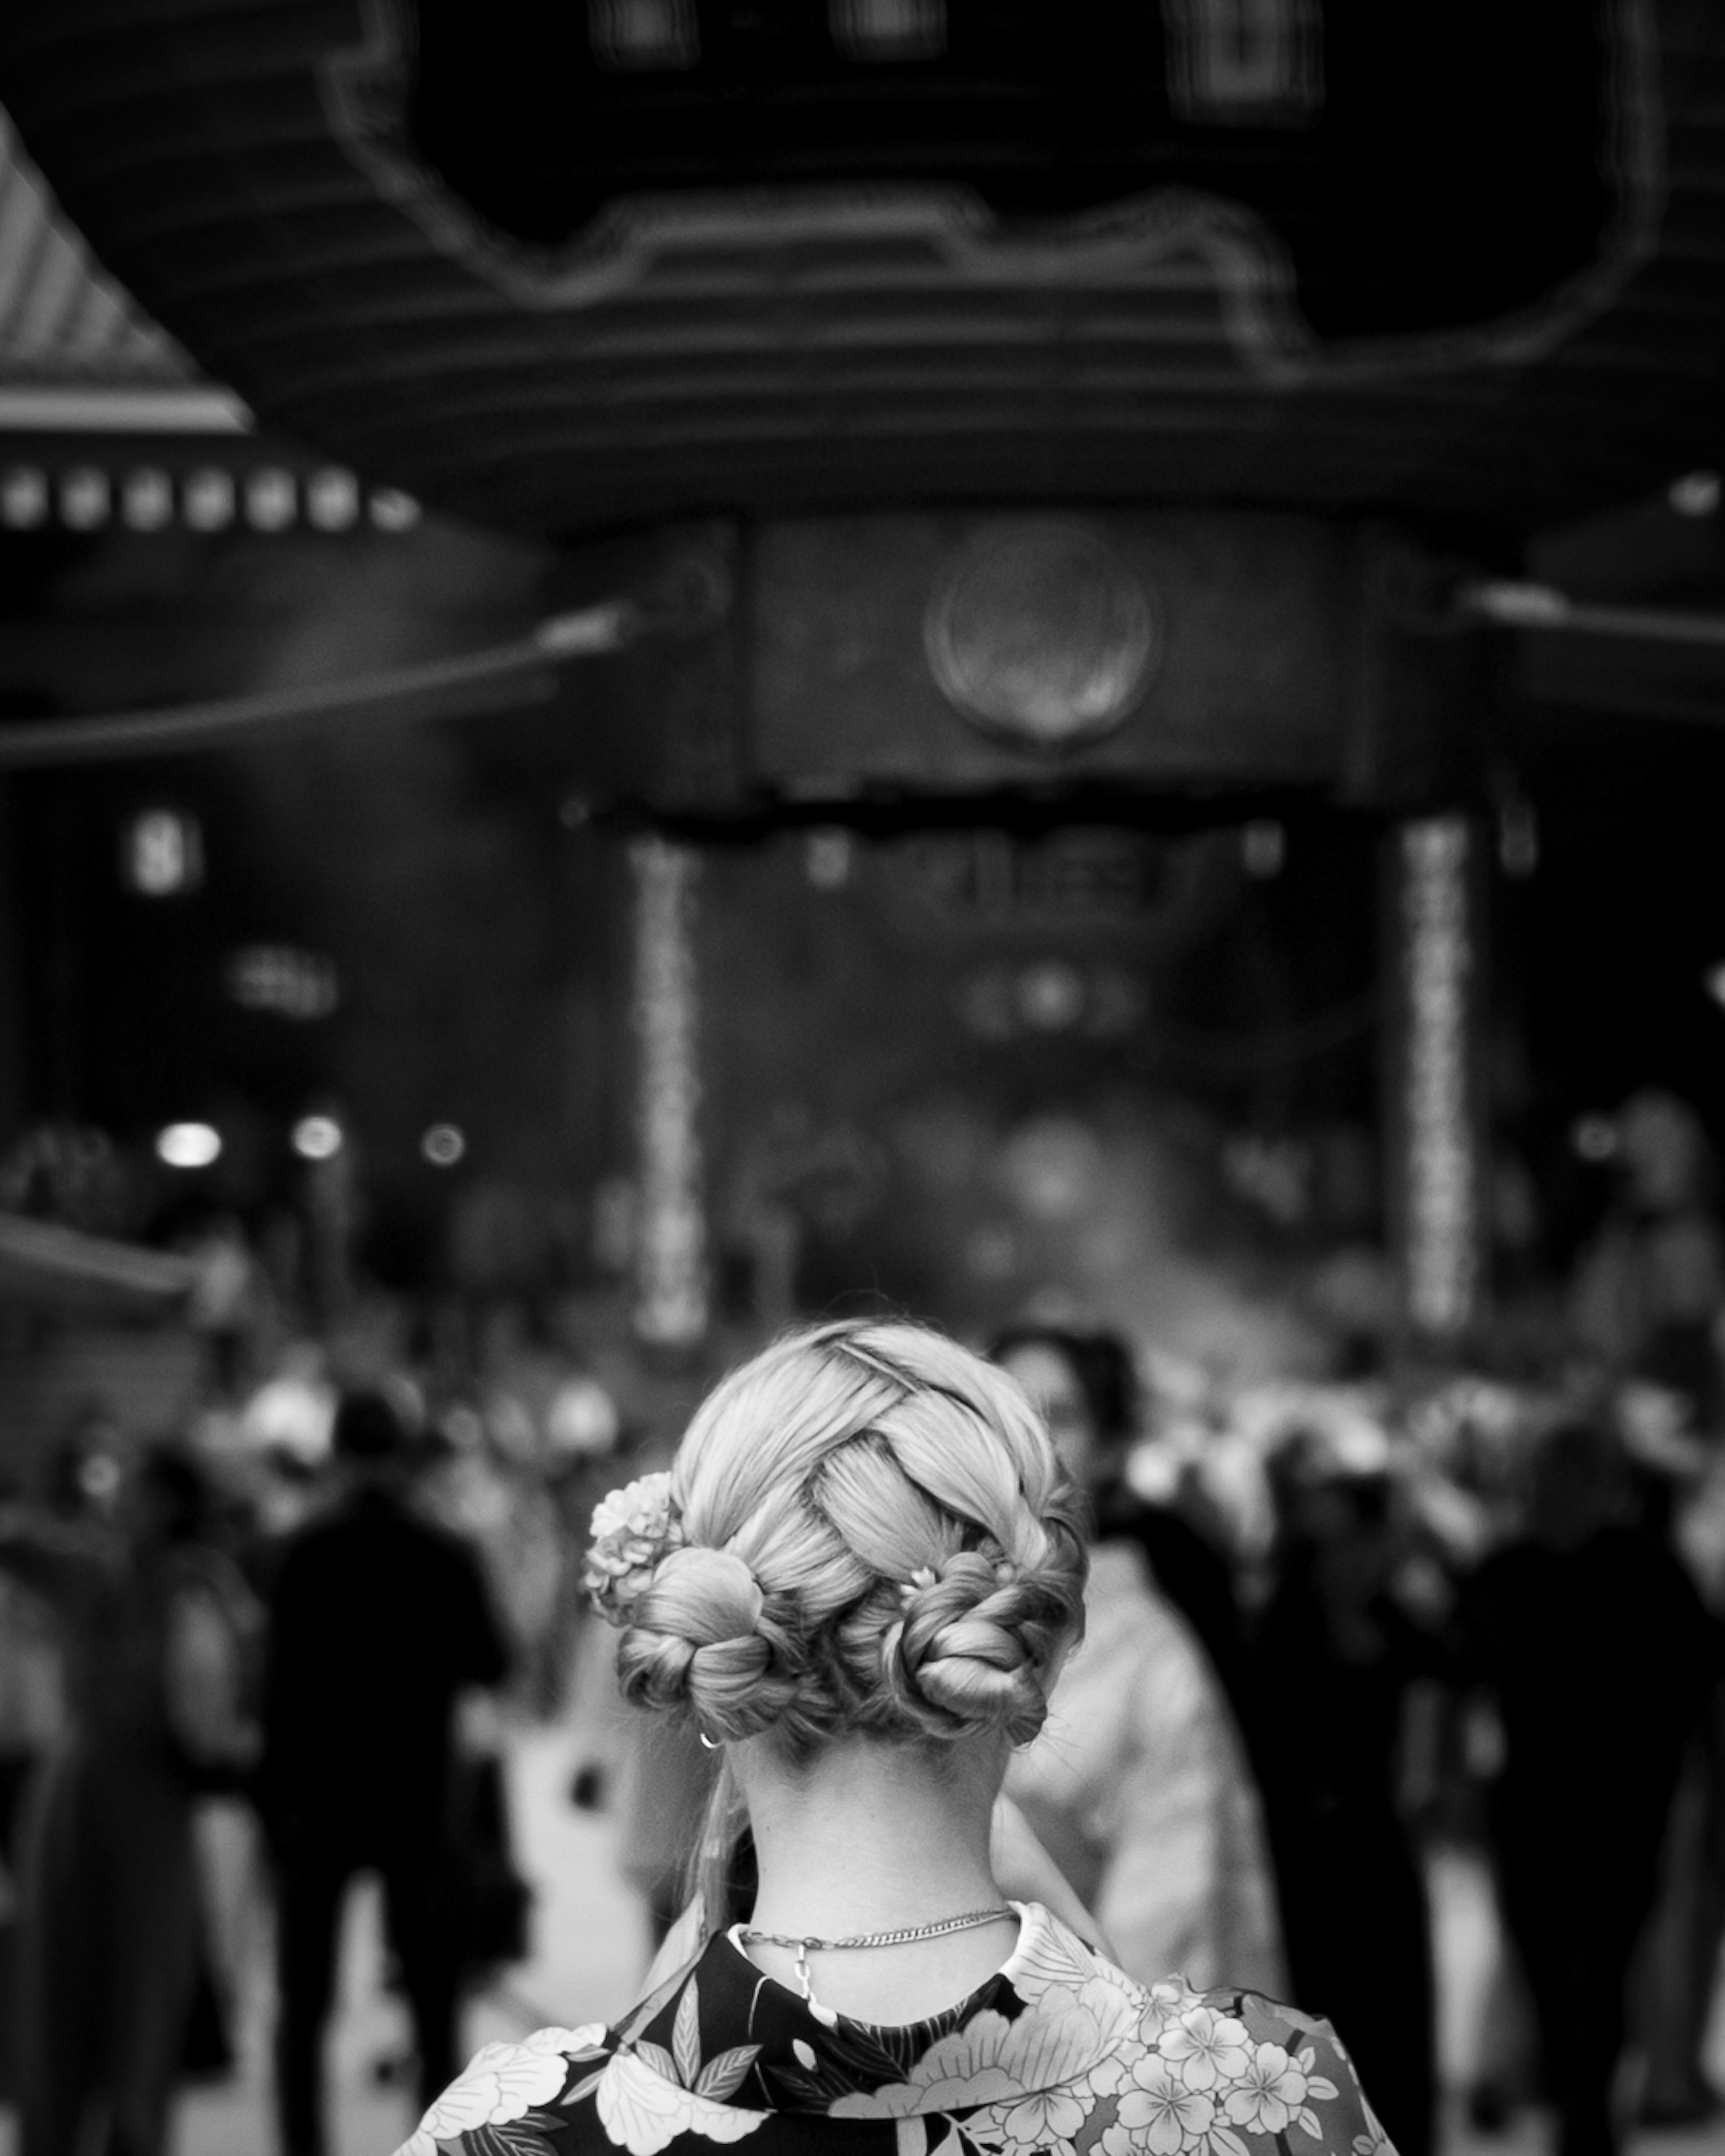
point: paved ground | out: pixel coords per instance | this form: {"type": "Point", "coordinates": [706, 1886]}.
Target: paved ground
{"type": "Point", "coordinates": [591, 1947]}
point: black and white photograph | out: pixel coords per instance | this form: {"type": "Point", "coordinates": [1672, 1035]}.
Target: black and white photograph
{"type": "Point", "coordinates": [862, 1077]}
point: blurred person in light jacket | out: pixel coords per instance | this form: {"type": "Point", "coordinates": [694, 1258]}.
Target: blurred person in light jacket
{"type": "Point", "coordinates": [1138, 1787]}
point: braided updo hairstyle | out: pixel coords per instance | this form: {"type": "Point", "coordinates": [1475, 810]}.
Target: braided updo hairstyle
{"type": "Point", "coordinates": [875, 1538]}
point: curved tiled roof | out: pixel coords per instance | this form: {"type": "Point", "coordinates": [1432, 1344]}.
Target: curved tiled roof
{"type": "Point", "coordinates": [62, 318]}
{"type": "Point", "coordinates": [245, 166]}
{"type": "Point", "coordinates": [81, 363]}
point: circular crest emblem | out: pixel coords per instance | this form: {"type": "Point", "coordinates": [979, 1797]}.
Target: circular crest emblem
{"type": "Point", "coordinates": [1040, 632]}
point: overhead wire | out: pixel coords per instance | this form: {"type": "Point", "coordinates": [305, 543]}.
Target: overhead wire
{"type": "Point", "coordinates": [437, 688]}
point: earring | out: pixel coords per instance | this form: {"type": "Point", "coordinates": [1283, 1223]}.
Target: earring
{"type": "Point", "coordinates": [708, 1743]}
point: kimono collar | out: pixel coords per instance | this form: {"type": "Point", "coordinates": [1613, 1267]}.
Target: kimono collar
{"type": "Point", "coordinates": [1051, 2013]}
{"type": "Point", "coordinates": [1057, 2051]}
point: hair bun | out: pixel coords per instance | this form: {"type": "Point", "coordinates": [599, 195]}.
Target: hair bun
{"type": "Point", "coordinates": [724, 1596]}
{"type": "Point", "coordinates": [872, 1536]}
{"type": "Point", "coordinates": [699, 1637]}
{"type": "Point", "coordinates": [968, 1652]}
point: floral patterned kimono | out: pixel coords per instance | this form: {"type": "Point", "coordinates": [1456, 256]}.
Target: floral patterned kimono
{"type": "Point", "coordinates": [1058, 2054]}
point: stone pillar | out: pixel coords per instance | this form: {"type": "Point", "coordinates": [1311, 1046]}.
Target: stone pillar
{"type": "Point", "coordinates": [1436, 1118]}
{"type": "Point", "coordinates": [670, 1310]}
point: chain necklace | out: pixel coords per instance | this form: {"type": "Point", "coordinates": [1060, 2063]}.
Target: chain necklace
{"type": "Point", "coordinates": [807, 1944]}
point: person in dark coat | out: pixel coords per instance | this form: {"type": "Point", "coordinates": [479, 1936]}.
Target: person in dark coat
{"type": "Point", "coordinates": [1601, 1656]}
{"type": "Point", "coordinates": [380, 1622]}
{"type": "Point", "coordinates": [1334, 1653]}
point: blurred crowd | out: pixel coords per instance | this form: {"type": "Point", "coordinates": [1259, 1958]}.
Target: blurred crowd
{"type": "Point", "coordinates": [1333, 1629]}
{"type": "Point", "coordinates": [242, 1665]}
{"type": "Point", "coordinates": [1469, 1614]}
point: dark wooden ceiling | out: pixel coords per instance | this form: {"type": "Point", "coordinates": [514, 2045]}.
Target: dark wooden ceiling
{"type": "Point", "coordinates": [1473, 271]}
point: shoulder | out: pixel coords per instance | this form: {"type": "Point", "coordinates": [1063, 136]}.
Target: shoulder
{"type": "Point", "coordinates": [521, 2086]}
{"type": "Point", "coordinates": [565, 2091]}
{"type": "Point", "coordinates": [1125, 2070]}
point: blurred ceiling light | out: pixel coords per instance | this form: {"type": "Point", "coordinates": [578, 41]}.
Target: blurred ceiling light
{"type": "Point", "coordinates": [1714, 982]}
{"type": "Point", "coordinates": [444, 1144]}
{"type": "Point", "coordinates": [1696, 494]}
{"type": "Point", "coordinates": [208, 499]}
{"type": "Point", "coordinates": [86, 498]}
{"type": "Point", "coordinates": [23, 497]}
{"type": "Point", "coordinates": [332, 499]}
{"type": "Point", "coordinates": [1594, 1138]}
{"type": "Point", "coordinates": [393, 510]}
{"type": "Point", "coordinates": [1264, 848]}
{"type": "Point", "coordinates": [828, 859]}
{"type": "Point", "coordinates": [161, 854]}
{"type": "Point", "coordinates": [188, 1145]}
{"type": "Point", "coordinates": [147, 498]}
{"type": "Point", "coordinates": [271, 499]}
{"type": "Point", "coordinates": [317, 1137]}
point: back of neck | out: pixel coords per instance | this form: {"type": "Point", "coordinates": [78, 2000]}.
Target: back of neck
{"type": "Point", "coordinates": [870, 1838]}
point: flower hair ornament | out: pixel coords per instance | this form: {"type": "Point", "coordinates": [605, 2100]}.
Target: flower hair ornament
{"type": "Point", "coordinates": [633, 1530]}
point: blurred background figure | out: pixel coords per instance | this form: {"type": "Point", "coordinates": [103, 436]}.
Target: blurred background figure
{"type": "Point", "coordinates": [155, 1627]}
{"type": "Point", "coordinates": [291, 1411]}
{"type": "Point", "coordinates": [1336, 1653]}
{"type": "Point", "coordinates": [582, 1432]}
{"type": "Point", "coordinates": [381, 1631]}
{"type": "Point", "coordinates": [226, 1304]}
{"type": "Point", "coordinates": [1138, 1787]}
{"type": "Point", "coordinates": [1142, 1494]}
{"type": "Point", "coordinates": [1646, 1307]}
{"type": "Point", "coordinates": [1650, 1288]}
{"type": "Point", "coordinates": [655, 1781]}
{"type": "Point", "coordinates": [1599, 1657]}
{"type": "Point", "coordinates": [649, 1773]}
{"type": "Point", "coordinates": [1680, 1964]}
{"type": "Point", "coordinates": [31, 1718]}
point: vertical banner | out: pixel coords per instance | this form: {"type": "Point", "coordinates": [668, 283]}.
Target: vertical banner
{"type": "Point", "coordinates": [670, 1274]}
{"type": "Point", "coordinates": [1437, 1123]}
